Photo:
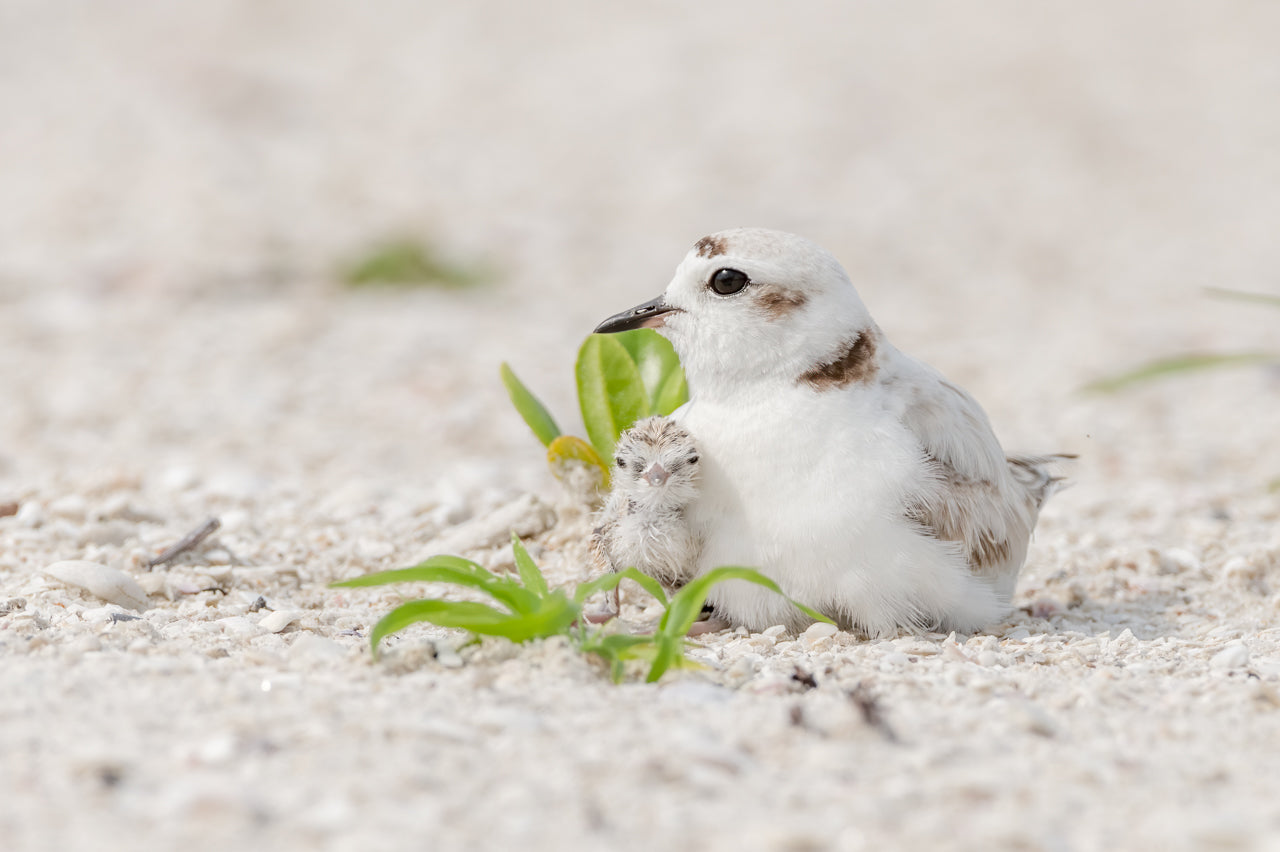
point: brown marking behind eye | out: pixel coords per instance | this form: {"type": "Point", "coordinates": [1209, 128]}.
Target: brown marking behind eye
{"type": "Point", "coordinates": [856, 362]}
{"type": "Point", "coordinates": [777, 302]}
{"type": "Point", "coordinates": [711, 246]}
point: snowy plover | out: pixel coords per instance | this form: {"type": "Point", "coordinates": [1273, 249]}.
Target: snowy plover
{"type": "Point", "coordinates": [643, 523]}
{"type": "Point", "coordinates": [861, 480]}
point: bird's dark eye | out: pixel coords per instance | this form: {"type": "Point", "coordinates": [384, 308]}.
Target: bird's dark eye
{"type": "Point", "coordinates": [726, 282]}
{"type": "Point", "coordinates": [622, 463]}
{"type": "Point", "coordinates": [693, 459]}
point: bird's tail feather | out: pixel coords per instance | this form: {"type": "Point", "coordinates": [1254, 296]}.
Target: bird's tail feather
{"type": "Point", "coordinates": [1038, 475]}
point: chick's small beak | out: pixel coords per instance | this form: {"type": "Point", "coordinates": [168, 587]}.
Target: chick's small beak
{"type": "Point", "coordinates": [652, 314]}
{"type": "Point", "coordinates": [656, 475]}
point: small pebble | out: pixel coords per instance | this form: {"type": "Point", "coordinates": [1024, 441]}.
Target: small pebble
{"type": "Point", "coordinates": [447, 656]}
{"type": "Point", "coordinates": [309, 646]}
{"type": "Point", "coordinates": [279, 620]}
{"type": "Point", "coordinates": [31, 515]}
{"type": "Point", "coordinates": [817, 632]}
{"type": "Point", "coordinates": [1176, 560]}
{"type": "Point", "coordinates": [1233, 656]}
{"type": "Point", "coordinates": [72, 507]}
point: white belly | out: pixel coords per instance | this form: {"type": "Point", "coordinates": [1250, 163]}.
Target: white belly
{"type": "Point", "coordinates": [810, 489]}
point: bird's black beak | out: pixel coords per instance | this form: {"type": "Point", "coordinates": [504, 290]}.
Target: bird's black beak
{"type": "Point", "coordinates": [652, 314]}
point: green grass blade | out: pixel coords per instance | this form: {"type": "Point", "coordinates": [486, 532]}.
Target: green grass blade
{"type": "Point", "coordinates": [437, 569]}
{"type": "Point", "coordinates": [1244, 296]}
{"type": "Point", "coordinates": [608, 582]}
{"type": "Point", "coordinates": [686, 605]}
{"type": "Point", "coordinates": [611, 391]}
{"type": "Point", "coordinates": [455, 570]}
{"type": "Point", "coordinates": [1175, 365]}
{"type": "Point", "coordinates": [555, 614]}
{"type": "Point", "coordinates": [670, 652]}
{"type": "Point", "coordinates": [530, 408]}
{"type": "Point", "coordinates": [530, 574]}
{"type": "Point", "coordinates": [463, 614]}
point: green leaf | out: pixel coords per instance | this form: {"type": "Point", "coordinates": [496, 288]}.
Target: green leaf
{"type": "Point", "coordinates": [460, 572]}
{"type": "Point", "coordinates": [437, 569]}
{"type": "Point", "coordinates": [568, 449]}
{"type": "Point", "coordinates": [610, 391]}
{"type": "Point", "coordinates": [608, 582]}
{"type": "Point", "coordinates": [1175, 365]}
{"type": "Point", "coordinates": [530, 408]}
{"type": "Point", "coordinates": [673, 393]}
{"type": "Point", "coordinates": [687, 603]}
{"type": "Point", "coordinates": [654, 357]}
{"type": "Point", "coordinates": [553, 617]}
{"type": "Point", "coordinates": [463, 614]}
{"type": "Point", "coordinates": [670, 653]}
{"type": "Point", "coordinates": [530, 574]}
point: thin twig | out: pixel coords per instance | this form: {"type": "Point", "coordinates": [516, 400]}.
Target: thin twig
{"type": "Point", "coordinates": [871, 711]}
{"type": "Point", "coordinates": [189, 541]}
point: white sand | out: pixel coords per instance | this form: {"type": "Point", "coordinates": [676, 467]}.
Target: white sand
{"type": "Point", "coordinates": [1027, 199]}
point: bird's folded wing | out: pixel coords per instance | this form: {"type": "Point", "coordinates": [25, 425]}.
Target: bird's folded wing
{"type": "Point", "coordinates": [971, 503]}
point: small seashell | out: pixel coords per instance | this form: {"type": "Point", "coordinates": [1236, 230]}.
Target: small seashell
{"type": "Point", "coordinates": [106, 583]}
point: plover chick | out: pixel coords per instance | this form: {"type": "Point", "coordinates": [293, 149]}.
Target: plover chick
{"type": "Point", "coordinates": [860, 479]}
{"type": "Point", "coordinates": [643, 523]}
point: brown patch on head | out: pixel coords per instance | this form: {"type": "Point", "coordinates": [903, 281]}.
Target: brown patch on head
{"type": "Point", "coordinates": [711, 246]}
{"type": "Point", "coordinates": [855, 362]}
{"type": "Point", "coordinates": [777, 302]}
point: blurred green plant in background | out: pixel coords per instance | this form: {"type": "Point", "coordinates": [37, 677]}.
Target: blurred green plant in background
{"type": "Point", "coordinates": [407, 262]}
{"type": "Point", "coordinates": [1196, 362]}
{"type": "Point", "coordinates": [1192, 362]}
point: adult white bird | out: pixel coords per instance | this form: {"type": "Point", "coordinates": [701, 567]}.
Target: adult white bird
{"type": "Point", "coordinates": [861, 480]}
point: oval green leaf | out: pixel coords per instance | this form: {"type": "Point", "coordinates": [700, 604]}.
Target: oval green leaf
{"type": "Point", "coordinates": [611, 391]}
{"type": "Point", "coordinates": [673, 393]}
{"type": "Point", "coordinates": [654, 356]}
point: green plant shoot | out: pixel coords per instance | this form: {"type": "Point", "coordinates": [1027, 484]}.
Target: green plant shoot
{"type": "Point", "coordinates": [526, 608]}
{"type": "Point", "coordinates": [621, 378]}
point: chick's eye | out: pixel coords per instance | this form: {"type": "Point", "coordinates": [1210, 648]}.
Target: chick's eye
{"type": "Point", "coordinates": [693, 459]}
{"type": "Point", "coordinates": [726, 282]}
{"type": "Point", "coordinates": [622, 463]}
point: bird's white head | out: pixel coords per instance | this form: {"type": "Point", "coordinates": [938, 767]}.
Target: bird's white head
{"type": "Point", "coordinates": [656, 464]}
{"type": "Point", "coordinates": [750, 306]}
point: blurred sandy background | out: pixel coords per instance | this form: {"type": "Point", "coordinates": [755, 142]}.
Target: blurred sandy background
{"type": "Point", "coordinates": [1029, 196]}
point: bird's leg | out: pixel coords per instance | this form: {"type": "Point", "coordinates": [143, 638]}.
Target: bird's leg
{"type": "Point", "coordinates": [610, 611]}
{"type": "Point", "coordinates": [708, 622]}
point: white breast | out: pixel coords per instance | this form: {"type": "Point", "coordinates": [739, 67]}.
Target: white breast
{"type": "Point", "coordinates": [809, 488]}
